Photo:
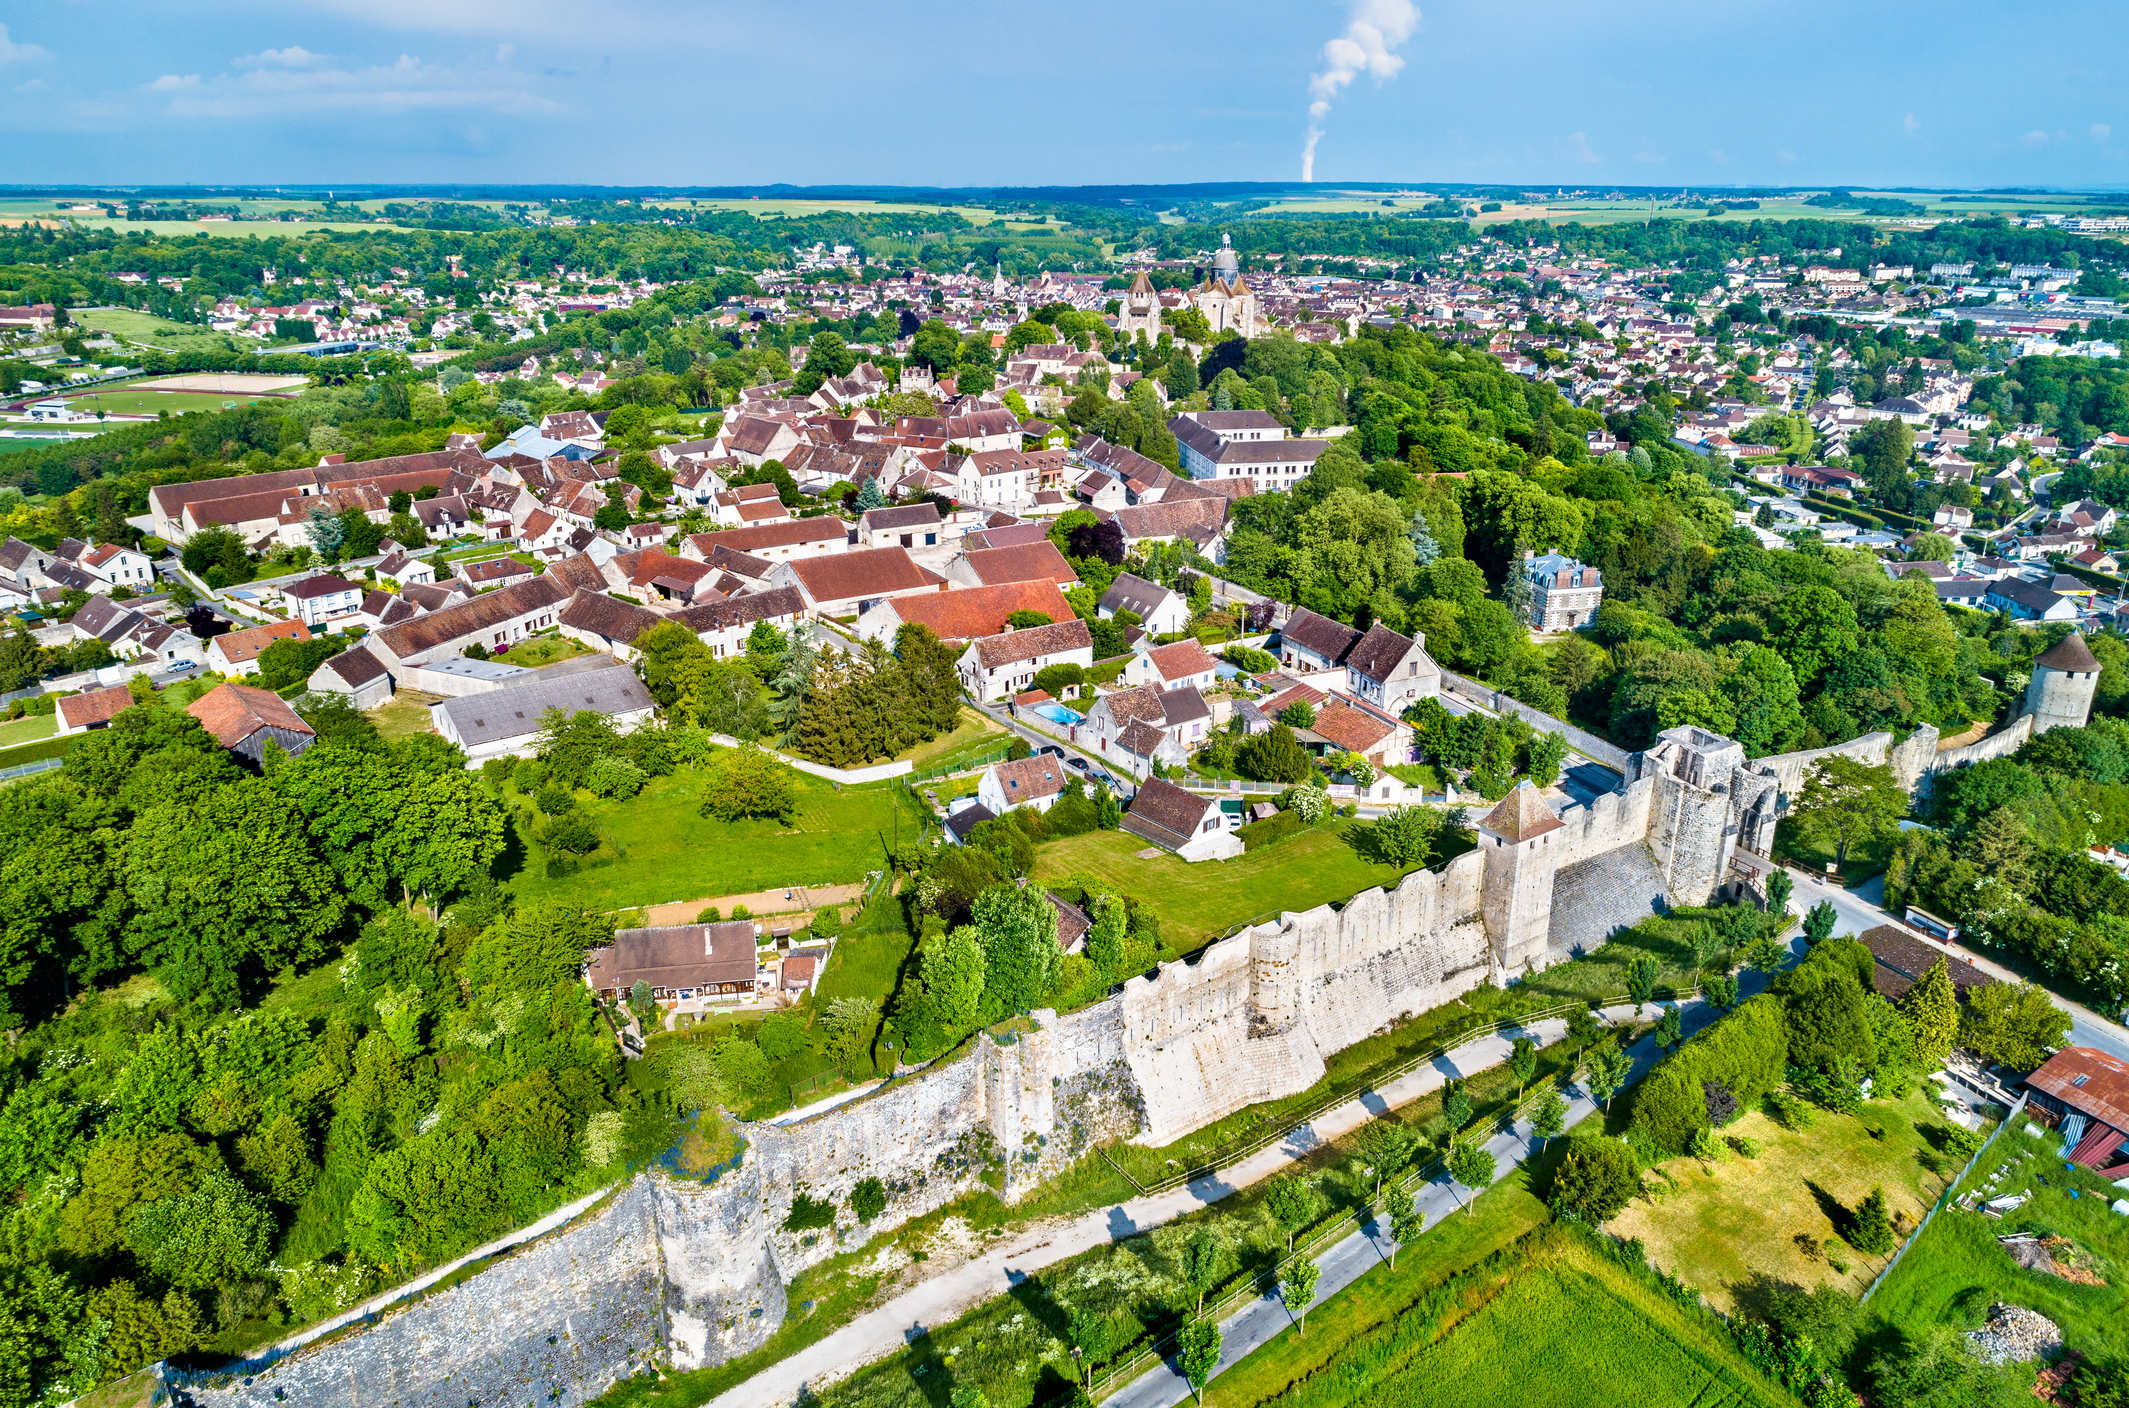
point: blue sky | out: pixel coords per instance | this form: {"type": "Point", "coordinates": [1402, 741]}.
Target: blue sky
{"type": "Point", "coordinates": [1956, 93]}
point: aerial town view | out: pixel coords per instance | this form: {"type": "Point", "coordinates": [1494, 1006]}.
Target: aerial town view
{"type": "Point", "coordinates": [1275, 707]}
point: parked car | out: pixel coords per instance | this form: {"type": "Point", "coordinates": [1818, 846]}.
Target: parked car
{"type": "Point", "coordinates": [180, 665]}
{"type": "Point", "coordinates": [1078, 763]}
{"type": "Point", "coordinates": [1051, 750]}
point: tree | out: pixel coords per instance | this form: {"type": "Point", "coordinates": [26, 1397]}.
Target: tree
{"type": "Point", "coordinates": [1811, 628]}
{"type": "Point", "coordinates": [1779, 888]}
{"type": "Point", "coordinates": [748, 782]}
{"type": "Point", "coordinates": [1198, 1352]}
{"type": "Point", "coordinates": [1297, 1287]}
{"type": "Point", "coordinates": [1202, 1259]}
{"type": "Point", "coordinates": [1291, 1201]}
{"type": "Point", "coordinates": [1456, 1105]}
{"type": "Point", "coordinates": [1848, 802]}
{"type": "Point", "coordinates": [869, 1199]}
{"type": "Point", "coordinates": [1872, 1232]}
{"type": "Point", "coordinates": [1548, 1116]}
{"type": "Point", "coordinates": [1671, 1029]}
{"type": "Point", "coordinates": [1090, 1333]}
{"type": "Point", "coordinates": [220, 1231]}
{"type": "Point", "coordinates": [1819, 922]}
{"type": "Point", "coordinates": [1523, 1064]}
{"type": "Point", "coordinates": [1471, 1164]}
{"type": "Point", "coordinates": [1386, 1144]}
{"type": "Point", "coordinates": [1404, 836]}
{"type": "Point", "coordinates": [850, 1023]}
{"type": "Point", "coordinates": [1605, 1068]}
{"type": "Point", "coordinates": [2016, 1024]}
{"type": "Point", "coordinates": [1274, 756]}
{"type": "Point", "coordinates": [1641, 971]}
{"type": "Point", "coordinates": [1545, 753]}
{"type": "Point", "coordinates": [1931, 1008]}
{"type": "Point", "coordinates": [1021, 959]}
{"type": "Point", "coordinates": [1406, 1223]}
{"type": "Point", "coordinates": [1596, 1178]}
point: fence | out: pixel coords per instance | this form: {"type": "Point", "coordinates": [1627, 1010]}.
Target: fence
{"type": "Point", "coordinates": [1951, 1189]}
{"type": "Point", "coordinates": [948, 769]}
{"type": "Point", "coordinates": [816, 1081]}
{"type": "Point", "coordinates": [1581, 740]}
{"type": "Point", "coordinates": [28, 769]}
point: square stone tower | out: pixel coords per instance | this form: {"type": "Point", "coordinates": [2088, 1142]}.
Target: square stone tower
{"type": "Point", "coordinates": [1516, 898]}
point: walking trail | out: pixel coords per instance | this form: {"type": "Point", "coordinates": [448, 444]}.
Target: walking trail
{"type": "Point", "coordinates": [925, 1307]}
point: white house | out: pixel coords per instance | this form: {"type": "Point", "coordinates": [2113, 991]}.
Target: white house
{"type": "Point", "coordinates": [507, 720]}
{"type": "Point", "coordinates": [1195, 828]}
{"type": "Point", "coordinates": [316, 600]}
{"type": "Point", "coordinates": [1161, 610]}
{"type": "Point", "coordinates": [994, 667]}
{"type": "Point", "coordinates": [1036, 781]}
{"type": "Point", "coordinates": [1175, 666]}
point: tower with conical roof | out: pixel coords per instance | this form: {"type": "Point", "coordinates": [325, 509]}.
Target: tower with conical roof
{"type": "Point", "coordinates": [1140, 310]}
{"type": "Point", "coordinates": [2065, 677]}
{"type": "Point", "coordinates": [1516, 898]}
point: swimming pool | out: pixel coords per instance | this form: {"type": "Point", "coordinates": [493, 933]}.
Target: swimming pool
{"type": "Point", "coordinates": [1059, 714]}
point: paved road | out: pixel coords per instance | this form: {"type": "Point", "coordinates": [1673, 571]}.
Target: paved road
{"type": "Point", "coordinates": [1862, 908]}
{"type": "Point", "coordinates": [1121, 782]}
{"type": "Point", "coordinates": [1346, 1260]}
{"type": "Point", "coordinates": [1028, 1250]}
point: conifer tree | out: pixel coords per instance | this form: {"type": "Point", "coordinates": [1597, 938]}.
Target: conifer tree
{"type": "Point", "coordinates": [1931, 1008]}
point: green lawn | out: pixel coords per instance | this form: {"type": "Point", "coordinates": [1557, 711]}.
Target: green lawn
{"type": "Point", "coordinates": [28, 729]}
{"type": "Point", "coordinates": [1549, 1322]}
{"type": "Point", "coordinates": [161, 332]}
{"type": "Point", "coordinates": [660, 848]}
{"type": "Point", "coordinates": [1766, 1216]}
{"type": "Point", "coordinates": [974, 735]}
{"type": "Point", "coordinates": [1956, 1269]}
{"type": "Point", "coordinates": [543, 650]}
{"type": "Point", "coordinates": [128, 400]}
{"type": "Point", "coordinates": [1197, 903]}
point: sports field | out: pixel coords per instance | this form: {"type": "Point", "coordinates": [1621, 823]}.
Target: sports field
{"type": "Point", "coordinates": [131, 400]}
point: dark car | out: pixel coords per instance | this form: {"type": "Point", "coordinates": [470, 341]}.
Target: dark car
{"type": "Point", "coordinates": [1052, 751]}
{"type": "Point", "coordinates": [1079, 763]}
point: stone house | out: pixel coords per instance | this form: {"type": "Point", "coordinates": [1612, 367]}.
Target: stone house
{"type": "Point", "coordinates": [690, 967]}
{"type": "Point", "coordinates": [1564, 594]}
{"type": "Point", "coordinates": [996, 666]}
{"type": "Point", "coordinates": [1139, 727]}
{"type": "Point", "coordinates": [1195, 828]}
{"type": "Point", "coordinates": [1036, 781]}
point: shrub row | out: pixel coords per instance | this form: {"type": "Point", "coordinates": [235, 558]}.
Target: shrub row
{"type": "Point", "coordinates": [1747, 1051]}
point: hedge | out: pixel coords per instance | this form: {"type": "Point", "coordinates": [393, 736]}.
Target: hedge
{"type": "Point", "coordinates": [1748, 1051]}
{"type": "Point", "coordinates": [42, 748]}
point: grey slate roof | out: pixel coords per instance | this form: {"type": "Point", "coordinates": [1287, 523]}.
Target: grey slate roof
{"type": "Point", "coordinates": [515, 709]}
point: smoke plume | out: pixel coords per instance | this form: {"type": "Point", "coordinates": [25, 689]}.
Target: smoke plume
{"type": "Point", "coordinates": [1368, 46]}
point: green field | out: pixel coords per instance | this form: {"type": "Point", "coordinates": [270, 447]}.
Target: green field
{"type": "Point", "coordinates": [1197, 903]}
{"type": "Point", "coordinates": [659, 847]}
{"type": "Point", "coordinates": [1956, 1270]}
{"type": "Point", "coordinates": [28, 729]}
{"type": "Point", "coordinates": [1549, 1322]}
{"type": "Point", "coordinates": [135, 326]}
{"type": "Point", "coordinates": [140, 400]}
{"type": "Point", "coordinates": [1766, 1217]}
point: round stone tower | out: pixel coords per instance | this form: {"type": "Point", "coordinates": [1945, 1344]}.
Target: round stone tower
{"type": "Point", "coordinates": [2064, 680]}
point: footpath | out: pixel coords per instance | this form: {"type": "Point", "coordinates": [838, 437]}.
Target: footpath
{"type": "Point", "coordinates": [1022, 1253]}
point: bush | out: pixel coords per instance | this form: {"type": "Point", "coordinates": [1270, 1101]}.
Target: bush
{"type": "Point", "coordinates": [827, 923]}
{"type": "Point", "coordinates": [868, 1200]}
{"type": "Point", "coordinates": [709, 915]}
{"type": "Point", "coordinates": [740, 911]}
{"type": "Point", "coordinates": [615, 777]}
{"type": "Point", "coordinates": [808, 1213]}
{"type": "Point", "coordinates": [748, 782]}
{"type": "Point", "coordinates": [554, 799]}
{"type": "Point", "coordinates": [1056, 679]}
{"type": "Point", "coordinates": [574, 833]}
{"type": "Point", "coordinates": [1596, 1178]}
{"type": "Point", "coordinates": [1250, 660]}
{"type": "Point", "coordinates": [783, 1035]}
{"type": "Point", "coordinates": [498, 770]}
{"type": "Point", "coordinates": [1017, 749]}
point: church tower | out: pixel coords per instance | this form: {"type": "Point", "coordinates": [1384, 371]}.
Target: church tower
{"type": "Point", "coordinates": [1140, 310]}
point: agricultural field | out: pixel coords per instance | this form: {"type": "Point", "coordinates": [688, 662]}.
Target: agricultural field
{"type": "Point", "coordinates": [1743, 1224]}
{"type": "Point", "coordinates": [657, 846]}
{"type": "Point", "coordinates": [1957, 1268]}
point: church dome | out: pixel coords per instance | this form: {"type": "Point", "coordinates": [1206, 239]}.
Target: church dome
{"type": "Point", "coordinates": [1226, 265]}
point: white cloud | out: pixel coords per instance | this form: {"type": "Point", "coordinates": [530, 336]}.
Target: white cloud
{"type": "Point", "coordinates": [1718, 154]}
{"type": "Point", "coordinates": [1785, 156]}
{"type": "Point", "coordinates": [1910, 124]}
{"type": "Point", "coordinates": [1649, 157]}
{"type": "Point", "coordinates": [2035, 137]}
{"type": "Point", "coordinates": [317, 87]}
{"type": "Point", "coordinates": [294, 56]}
{"type": "Point", "coordinates": [1367, 46]}
{"type": "Point", "coordinates": [12, 53]}
{"type": "Point", "coordinates": [2101, 131]}
{"type": "Point", "coordinates": [1578, 148]}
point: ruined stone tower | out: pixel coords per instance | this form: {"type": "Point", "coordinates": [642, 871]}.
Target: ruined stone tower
{"type": "Point", "coordinates": [1708, 800]}
{"type": "Point", "coordinates": [2065, 678]}
{"type": "Point", "coordinates": [1516, 838]}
